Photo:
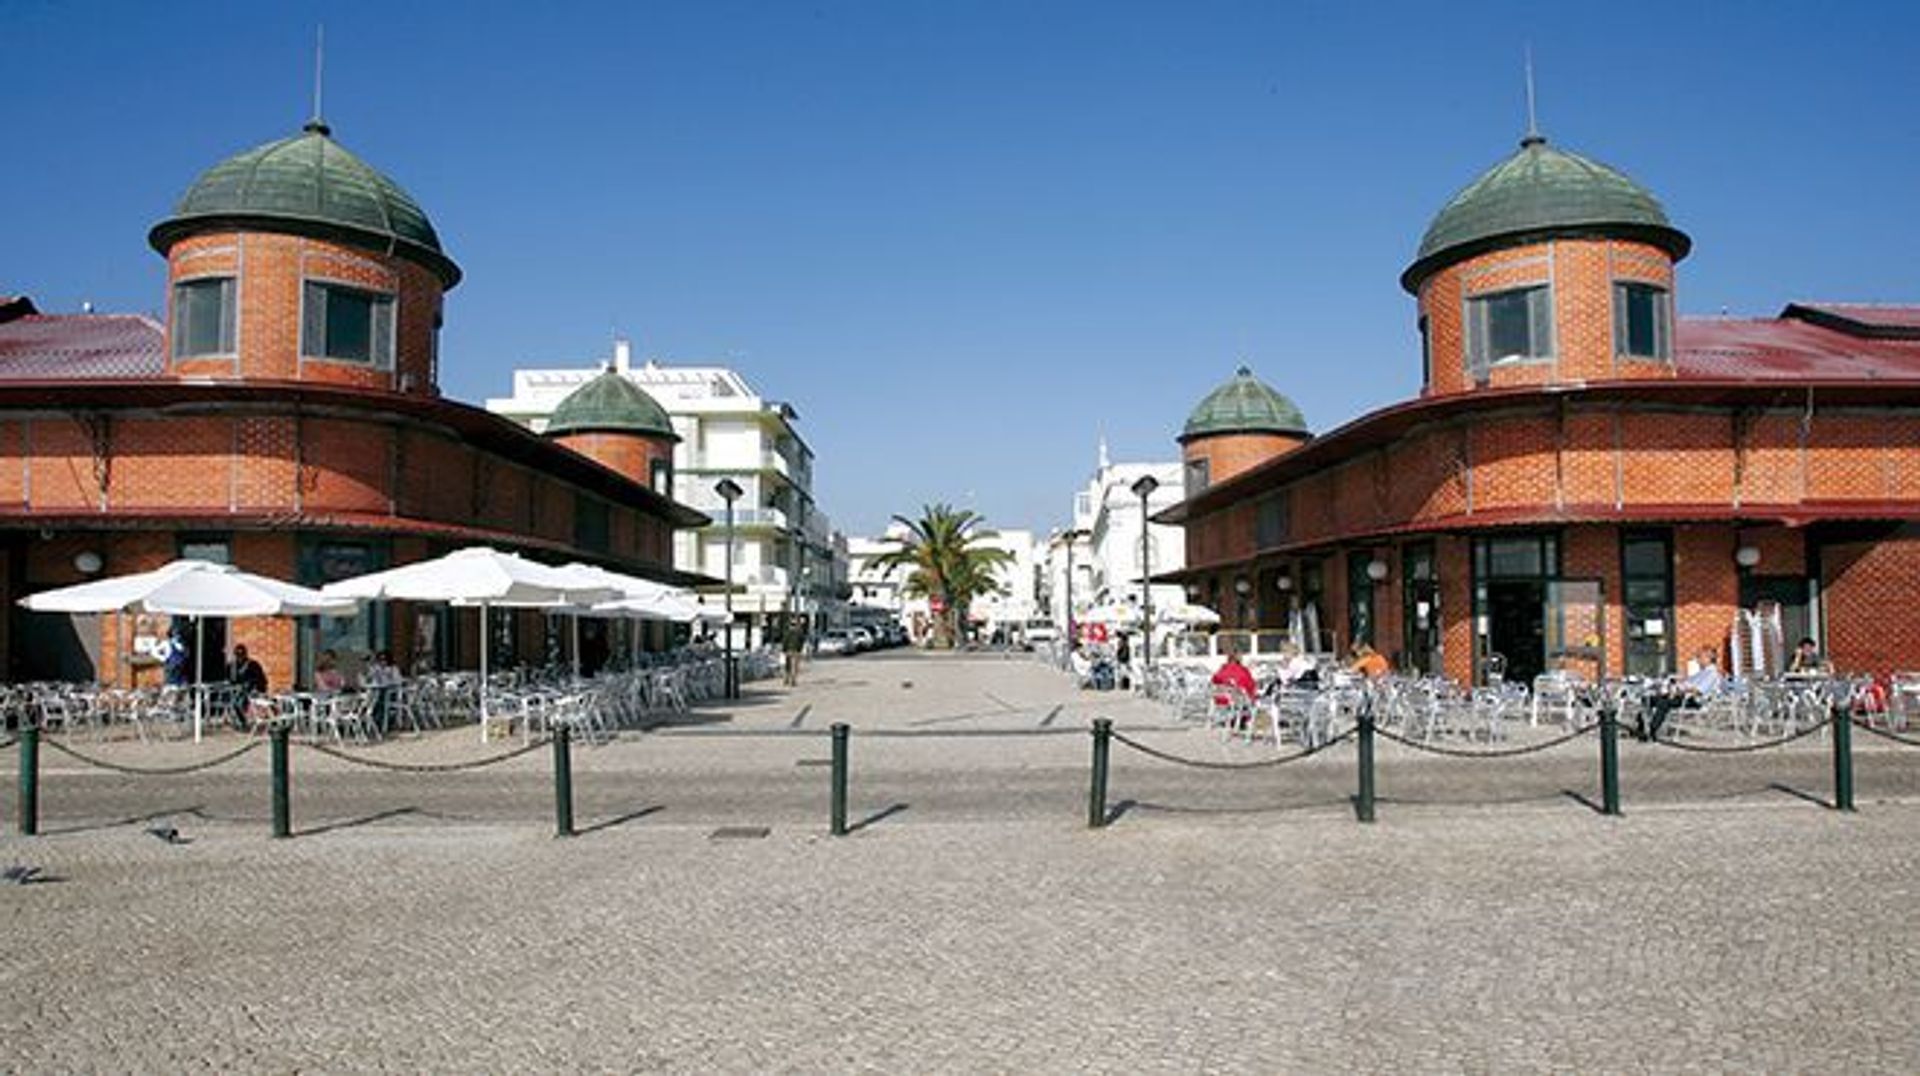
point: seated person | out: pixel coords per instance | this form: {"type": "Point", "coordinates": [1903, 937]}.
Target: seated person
{"type": "Point", "coordinates": [1806, 660]}
{"type": "Point", "coordinates": [1703, 672]}
{"type": "Point", "coordinates": [327, 677]}
{"type": "Point", "coordinates": [1703, 679]}
{"type": "Point", "coordinates": [1233, 673]}
{"type": "Point", "coordinates": [381, 671]}
{"type": "Point", "coordinates": [1295, 668]}
{"type": "Point", "coordinates": [1369, 662]}
{"type": "Point", "coordinates": [246, 672]}
{"type": "Point", "coordinates": [1081, 665]}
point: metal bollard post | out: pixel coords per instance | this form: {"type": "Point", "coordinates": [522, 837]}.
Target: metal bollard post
{"type": "Point", "coordinates": [1609, 761]}
{"type": "Point", "coordinates": [1097, 795]}
{"type": "Point", "coordinates": [29, 780]}
{"type": "Point", "coordinates": [1363, 801]}
{"type": "Point", "coordinates": [1842, 759]}
{"type": "Point", "coordinates": [282, 810]}
{"type": "Point", "coordinates": [838, 823]}
{"type": "Point", "coordinates": [563, 781]}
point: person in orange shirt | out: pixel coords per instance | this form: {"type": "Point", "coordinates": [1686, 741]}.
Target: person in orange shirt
{"type": "Point", "coordinates": [1369, 662]}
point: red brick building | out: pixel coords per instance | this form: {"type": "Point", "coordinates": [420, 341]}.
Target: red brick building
{"type": "Point", "coordinates": [287, 418]}
{"type": "Point", "coordinates": [1584, 480]}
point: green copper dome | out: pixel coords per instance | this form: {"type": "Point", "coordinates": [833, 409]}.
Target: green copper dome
{"type": "Point", "coordinates": [308, 185]}
{"type": "Point", "coordinates": [1538, 193]}
{"type": "Point", "coordinates": [611, 403]}
{"type": "Point", "coordinates": [1245, 405]}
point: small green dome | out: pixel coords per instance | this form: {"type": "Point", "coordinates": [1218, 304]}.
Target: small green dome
{"type": "Point", "coordinates": [1538, 193]}
{"type": "Point", "coordinates": [611, 403]}
{"type": "Point", "coordinates": [308, 185]}
{"type": "Point", "coordinates": [1245, 405]}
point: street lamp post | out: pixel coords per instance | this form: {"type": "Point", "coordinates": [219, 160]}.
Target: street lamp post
{"type": "Point", "coordinates": [1145, 488]}
{"type": "Point", "coordinates": [729, 491]}
{"type": "Point", "coordinates": [1071, 536]}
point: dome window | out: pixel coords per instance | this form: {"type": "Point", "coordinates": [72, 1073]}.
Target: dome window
{"type": "Point", "coordinates": [1642, 321]}
{"type": "Point", "coordinates": [1509, 326]}
{"type": "Point", "coordinates": [346, 324]}
{"type": "Point", "coordinates": [203, 317]}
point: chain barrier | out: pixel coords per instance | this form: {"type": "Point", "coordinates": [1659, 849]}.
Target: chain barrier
{"type": "Point", "coordinates": [427, 767]}
{"type": "Point", "coordinates": [1504, 752]}
{"type": "Point", "coordinates": [149, 771]}
{"type": "Point", "coordinates": [1202, 764]}
{"type": "Point", "coordinates": [1858, 722]}
{"type": "Point", "coordinates": [1745, 748]}
{"type": "Point", "coordinates": [8, 742]}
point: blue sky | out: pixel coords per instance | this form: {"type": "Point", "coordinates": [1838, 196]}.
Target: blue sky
{"type": "Point", "coordinates": [968, 239]}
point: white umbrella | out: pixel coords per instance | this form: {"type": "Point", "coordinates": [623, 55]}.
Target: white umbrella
{"type": "Point", "coordinates": [1187, 613]}
{"type": "Point", "coordinates": [195, 588]}
{"type": "Point", "coordinates": [639, 599]}
{"type": "Point", "coordinates": [1114, 613]}
{"type": "Point", "coordinates": [476, 575]}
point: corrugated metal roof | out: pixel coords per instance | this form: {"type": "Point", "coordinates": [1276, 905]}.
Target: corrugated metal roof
{"type": "Point", "coordinates": [1788, 349]}
{"type": "Point", "coordinates": [82, 347]}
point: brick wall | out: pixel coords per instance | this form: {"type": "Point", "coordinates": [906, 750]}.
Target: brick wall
{"type": "Point", "coordinates": [270, 271]}
{"type": "Point", "coordinates": [1871, 589]}
{"type": "Point", "coordinates": [1228, 454]}
{"type": "Point", "coordinates": [1581, 272]}
{"type": "Point", "coordinates": [1539, 466]}
{"type": "Point", "coordinates": [625, 453]}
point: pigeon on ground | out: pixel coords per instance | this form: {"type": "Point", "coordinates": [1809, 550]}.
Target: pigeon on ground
{"type": "Point", "coordinates": [19, 875]}
{"type": "Point", "coordinates": [167, 834]}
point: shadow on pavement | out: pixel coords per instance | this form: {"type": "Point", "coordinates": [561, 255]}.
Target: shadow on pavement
{"type": "Point", "coordinates": [620, 820]}
{"type": "Point", "coordinates": [885, 812]}
{"type": "Point", "coordinates": [351, 823]}
{"type": "Point", "coordinates": [1818, 801]}
{"type": "Point", "coordinates": [196, 811]}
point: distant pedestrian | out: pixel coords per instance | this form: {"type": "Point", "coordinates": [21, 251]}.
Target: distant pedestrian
{"type": "Point", "coordinates": [793, 644]}
{"type": "Point", "coordinates": [1123, 662]}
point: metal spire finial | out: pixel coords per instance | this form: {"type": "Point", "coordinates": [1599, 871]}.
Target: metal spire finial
{"type": "Point", "coordinates": [1533, 136]}
{"type": "Point", "coordinates": [317, 125]}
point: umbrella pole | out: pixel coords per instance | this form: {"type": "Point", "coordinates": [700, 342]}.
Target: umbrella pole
{"type": "Point", "coordinates": [575, 627]}
{"type": "Point", "coordinates": [483, 671]}
{"type": "Point", "coordinates": [199, 673]}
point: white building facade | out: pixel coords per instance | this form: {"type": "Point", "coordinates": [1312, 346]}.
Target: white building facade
{"type": "Point", "coordinates": [1103, 544]}
{"type": "Point", "coordinates": [785, 554]}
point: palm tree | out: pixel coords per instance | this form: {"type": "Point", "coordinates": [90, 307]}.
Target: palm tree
{"type": "Point", "coordinates": [945, 564]}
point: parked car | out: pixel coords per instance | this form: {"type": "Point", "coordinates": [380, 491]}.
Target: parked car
{"type": "Point", "coordinates": [1038, 633]}
{"type": "Point", "coordinates": [835, 641]}
{"type": "Point", "coordinates": [864, 639]}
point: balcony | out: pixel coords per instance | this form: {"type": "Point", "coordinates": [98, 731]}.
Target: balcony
{"type": "Point", "coordinates": [743, 517]}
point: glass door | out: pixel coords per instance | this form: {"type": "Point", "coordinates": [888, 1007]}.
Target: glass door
{"type": "Point", "coordinates": [1420, 608]}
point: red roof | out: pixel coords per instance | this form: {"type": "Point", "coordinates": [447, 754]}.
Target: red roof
{"type": "Point", "coordinates": [81, 347]}
{"type": "Point", "coordinates": [1791, 349]}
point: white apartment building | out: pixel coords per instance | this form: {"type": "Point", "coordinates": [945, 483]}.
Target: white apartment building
{"type": "Point", "coordinates": [785, 555]}
{"type": "Point", "coordinates": [1106, 551]}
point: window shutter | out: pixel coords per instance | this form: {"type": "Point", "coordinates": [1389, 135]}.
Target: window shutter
{"type": "Point", "coordinates": [1622, 340]}
{"type": "Point", "coordinates": [383, 333]}
{"type": "Point", "coordinates": [182, 319]}
{"type": "Point", "coordinates": [229, 316]}
{"type": "Point", "coordinates": [1540, 322]}
{"type": "Point", "coordinates": [313, 321]}
{"type": "Point", "coordinates": [1663, 325]}
{"type": "Point", "coordinates": [1477, 339]}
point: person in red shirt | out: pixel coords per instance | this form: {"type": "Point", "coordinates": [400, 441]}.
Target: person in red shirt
{"type": "Point", "coordinates": [1236, 674]}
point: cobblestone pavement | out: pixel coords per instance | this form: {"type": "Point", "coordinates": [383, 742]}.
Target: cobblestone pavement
{"type": "Point", "coordinates": [1225, 922]}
